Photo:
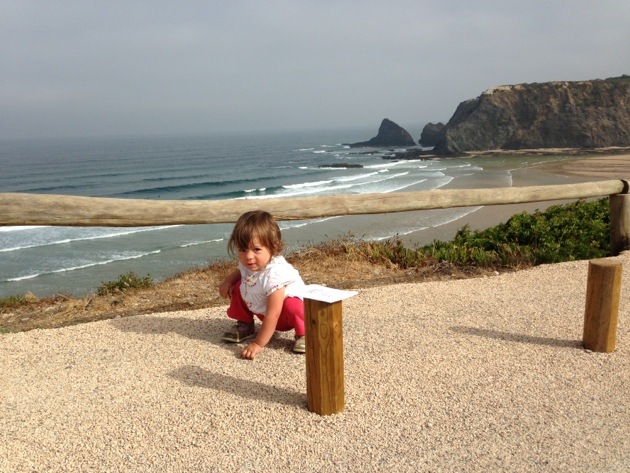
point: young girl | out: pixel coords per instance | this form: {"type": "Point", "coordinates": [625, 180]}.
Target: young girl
{"type": "Point", "coordinates": [264, 285]}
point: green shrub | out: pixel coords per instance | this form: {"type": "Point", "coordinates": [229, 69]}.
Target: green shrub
{"type": "Point", "coordinates": [574, 231]}
{"type": "Point", "coordinates": [124, 283]}
{"type": "Point", "coordinates": [579, 230]}
{"type": "Point", "coordinates": [12, 301]}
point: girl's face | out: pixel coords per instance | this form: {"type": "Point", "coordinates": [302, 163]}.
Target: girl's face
{"type": "Point", "coordinates": [255, 257]}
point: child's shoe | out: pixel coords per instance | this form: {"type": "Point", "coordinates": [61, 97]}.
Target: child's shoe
{"type": "Point", "coordinates": [242, 331]}
{"type": "Point", "coordinates": [300, 345]}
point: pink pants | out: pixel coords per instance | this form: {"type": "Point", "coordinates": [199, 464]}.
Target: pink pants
{"type": "Point", "coordinates": [291, 317]}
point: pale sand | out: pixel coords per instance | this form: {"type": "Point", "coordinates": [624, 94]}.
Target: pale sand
{"type": "Point", "coordinates": [565, 172]}
{"type": "Point", "coordinates": [473, 375]}
{"type": "Point", "coordinates": [604, 167]}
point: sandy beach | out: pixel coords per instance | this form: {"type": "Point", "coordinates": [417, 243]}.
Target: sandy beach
{"type": "Point", "coordinates": [605, 167]}
{"type": "Point", "coordinates": [563, 172]}
{"type": "Point", "coordinates": [485, 374]}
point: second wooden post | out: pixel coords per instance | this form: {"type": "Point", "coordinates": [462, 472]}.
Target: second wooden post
{"type": "Point", "coordinates": [603, 292]}
{"type": "Point", "coordinates": [619, 223]}
{"type": "Point", "coordinates": [324, 357]}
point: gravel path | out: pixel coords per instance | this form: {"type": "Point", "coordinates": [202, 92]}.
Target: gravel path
{"type": "Point", "coordinates": [472, 375]}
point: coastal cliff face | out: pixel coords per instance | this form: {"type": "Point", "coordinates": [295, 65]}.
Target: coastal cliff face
{"type": "Point", "coordinates": [587, 114]}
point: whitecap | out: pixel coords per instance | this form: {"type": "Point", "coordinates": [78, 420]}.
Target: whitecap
{"type": "Point", "coordinates": [403, 187]}
{"type": "Point", "coordinates": [286, 225]}
{"type": "Point", "coordinates": [302, 190]}
{"type": "Point", "coordinates": [306, 184]}
{"type": "Point", "coordinates": [19, 228]}
{"type": "Point", "coordinates": [398, 233]}
{"type": "Point", "coordinates": [442, 182]}
{"type": "Point", "coordinates": [115, 234]}
{"type": "Point", "coordinates": [197, 243]}
{"type": "Point", "coordinates": [432, 173]}
{"type": "Point", "coordinates": [354, 178]}
{"type": "Point", "coordinates": [83, 266]}
{"type": "Point", "coordinates": [456, 215]}
{"type": "Point", "coordinates": [386, 165]}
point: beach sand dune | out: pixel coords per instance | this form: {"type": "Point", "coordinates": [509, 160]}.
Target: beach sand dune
{"type": "Point", "coordinates": [484, 374]}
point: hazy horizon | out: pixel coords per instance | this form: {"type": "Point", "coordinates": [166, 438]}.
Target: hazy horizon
{"type": "Point", "coordinates": [72, 69]}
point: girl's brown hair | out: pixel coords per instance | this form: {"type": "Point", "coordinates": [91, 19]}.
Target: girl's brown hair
{"type": "Point", "coordinates": [256, 224]}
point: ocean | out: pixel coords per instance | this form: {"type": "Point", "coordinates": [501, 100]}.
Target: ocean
{"type": "Point", "coordinates": [75, 261]}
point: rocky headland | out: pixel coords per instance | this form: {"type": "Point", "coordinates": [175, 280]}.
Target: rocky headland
{"type": "Point", "coordinates": [580, 116]}
{"type": "Point", "coordinates": [586, 114]}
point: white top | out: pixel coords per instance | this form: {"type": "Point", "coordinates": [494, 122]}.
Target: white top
{"type": "Point", "coordinates": [256, 286]}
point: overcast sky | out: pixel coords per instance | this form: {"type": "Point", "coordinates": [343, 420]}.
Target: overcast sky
{"type": "Point", "coordinates": [73, 68]}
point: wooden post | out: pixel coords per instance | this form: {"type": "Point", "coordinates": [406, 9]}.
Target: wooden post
{"type": "Point", "coordinates": [602, 305]}
{"type": "Point", "coordinates": [619, 223]}
{"type": "Point", "coordinates": [324, 357]}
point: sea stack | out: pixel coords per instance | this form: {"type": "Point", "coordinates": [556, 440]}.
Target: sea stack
{"type": "Point", "coordinates": [389, 134]}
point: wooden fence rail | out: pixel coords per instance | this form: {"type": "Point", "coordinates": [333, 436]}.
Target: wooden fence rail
{"type": "Point", "coordinates": [45, 209]}
{"type": "Point", "coordinates": [323, 398]}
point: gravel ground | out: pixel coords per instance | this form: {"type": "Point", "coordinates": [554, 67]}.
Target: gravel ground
{"type": "Point", "coordinates": [470, 375]}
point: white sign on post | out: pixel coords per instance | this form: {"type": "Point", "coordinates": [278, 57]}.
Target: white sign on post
{"type": "Point", "coordinates": [320, 293]}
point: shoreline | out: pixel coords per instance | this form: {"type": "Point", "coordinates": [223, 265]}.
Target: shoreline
{"type": "Point", "coordinates": [547, 172]}
{"type": "Point", "coordinates": [565, 171]}
{"type": "Point", "coordinates": [559, 169]}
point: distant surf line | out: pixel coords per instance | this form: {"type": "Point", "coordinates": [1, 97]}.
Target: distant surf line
{"type": "Point", "coordinates": [74, 268]}
{"type": "Point", "coordinates": [319, 188]}
{"type": "Point", "coordinates": [96, 237]}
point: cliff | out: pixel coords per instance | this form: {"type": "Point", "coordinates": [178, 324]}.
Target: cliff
{"type": "Point", "coordinates": [389, 134]}
{"type": "Point", "coordinates": [586, 114]}
{"type": "Point", "coordinates": [431, 134]}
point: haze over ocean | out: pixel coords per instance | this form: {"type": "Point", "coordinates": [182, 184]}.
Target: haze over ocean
{"type": "Point", "coordinates": [52, 260]}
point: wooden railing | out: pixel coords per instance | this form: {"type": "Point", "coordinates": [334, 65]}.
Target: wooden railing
{"type": "Point", "coordinates": [45, 209]}
{"type": "Point", "coordinates": [324, 352]}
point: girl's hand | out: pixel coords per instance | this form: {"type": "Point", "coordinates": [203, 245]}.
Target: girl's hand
{"type": "Point", "coordinates": [227, 286]}
{"type": "Point", "coordinates": [274, 307]}
{"type": "Point", "coordinates": [225, 289]}
{"type": "Point", "coordinates": [251, 351]}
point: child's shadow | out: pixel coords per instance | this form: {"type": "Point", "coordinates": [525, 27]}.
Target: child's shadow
{"type": "Point", "coordinates": [199, 377]}
{"type": "Point", "coordinates": [207, 330]}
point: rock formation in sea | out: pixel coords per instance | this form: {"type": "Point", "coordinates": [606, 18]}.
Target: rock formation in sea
{"type": "Point", "coordinates": [431, 134]}
{"type": "Point", "coordinates": [585, 114]}
{"type": "Point", "coordinates": [389, 134]}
